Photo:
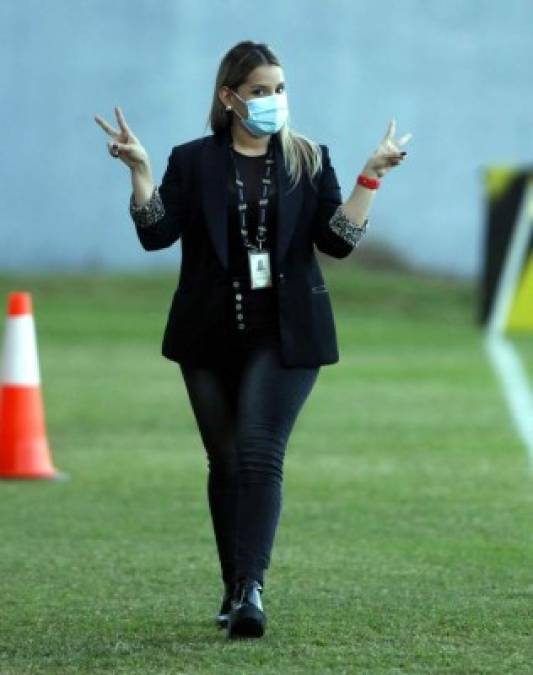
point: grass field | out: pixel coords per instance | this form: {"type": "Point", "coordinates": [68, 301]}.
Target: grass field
{"type": "Point", "coordinates": [405, 543]}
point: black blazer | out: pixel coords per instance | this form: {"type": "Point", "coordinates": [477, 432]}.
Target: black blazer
{"type": "Point", "coordinates": [194, 194]}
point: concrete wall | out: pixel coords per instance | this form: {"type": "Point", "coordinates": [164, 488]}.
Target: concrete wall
{"type": "Point", "coordinates": [457, 74]}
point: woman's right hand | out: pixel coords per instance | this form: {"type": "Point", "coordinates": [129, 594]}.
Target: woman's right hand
{"type": "Point", "coordinates": [124, 144]}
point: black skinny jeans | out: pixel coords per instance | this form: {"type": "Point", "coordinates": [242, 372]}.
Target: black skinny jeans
{"type": "Point", "coordinates": [245, 408]}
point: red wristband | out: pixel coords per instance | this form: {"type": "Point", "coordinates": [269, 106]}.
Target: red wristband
{"type": "Point", "coordinates": [370, 183]}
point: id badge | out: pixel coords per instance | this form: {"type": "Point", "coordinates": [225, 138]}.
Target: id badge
{"type": "Point", "coordinates": [259, 261]}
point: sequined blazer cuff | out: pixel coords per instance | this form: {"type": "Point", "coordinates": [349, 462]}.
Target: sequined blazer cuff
{"type": "Point", "coordinates": [150, 213]}
{"type": "Point", "coordinates": [345, 228]}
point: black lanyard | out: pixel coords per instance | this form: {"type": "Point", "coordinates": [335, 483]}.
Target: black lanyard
{"type": "Point", "coordinates": [261, 234]}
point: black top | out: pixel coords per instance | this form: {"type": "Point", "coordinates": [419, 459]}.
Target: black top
{"type": "Point", "coordinates": [251, 316]}
{"type": "Point", "coordinates": [255, 310]}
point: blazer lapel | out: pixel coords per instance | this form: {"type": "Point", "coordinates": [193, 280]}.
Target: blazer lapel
{"type": "Point", "coordinates": [216, 163]}
{"type": "Point", "coordinates": [215, 166]}
{"type": "Point", "coordinates": [289, 203]}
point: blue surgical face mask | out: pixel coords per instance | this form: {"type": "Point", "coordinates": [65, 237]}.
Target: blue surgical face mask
{"type": "Point", "coordinates": [266, 114]}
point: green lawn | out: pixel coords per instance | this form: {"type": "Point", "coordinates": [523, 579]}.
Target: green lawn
{"type": "Point", "coordinates": [405, 543]}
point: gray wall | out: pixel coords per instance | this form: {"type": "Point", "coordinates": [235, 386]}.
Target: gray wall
{"type": "Point", "coordinates": [456, 73]}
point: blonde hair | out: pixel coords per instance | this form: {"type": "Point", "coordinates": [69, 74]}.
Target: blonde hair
{"type": "Point", "coordinates": [299, 152]}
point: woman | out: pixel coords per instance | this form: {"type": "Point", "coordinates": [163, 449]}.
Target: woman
{"type": "Point", "coordinates": [251, 320]}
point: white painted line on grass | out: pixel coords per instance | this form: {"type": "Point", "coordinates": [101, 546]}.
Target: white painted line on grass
{"type": "Point", "coordinates": [516, 388]}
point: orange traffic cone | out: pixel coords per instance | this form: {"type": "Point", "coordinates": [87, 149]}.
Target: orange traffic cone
{"type": "Point", "coordinates": [24, 449]}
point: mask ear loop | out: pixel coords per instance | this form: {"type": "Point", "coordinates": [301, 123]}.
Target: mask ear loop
{"type": "Point", "coordinates": [235, 109]}
{"type": "Point", "coordinates": [237, 95]}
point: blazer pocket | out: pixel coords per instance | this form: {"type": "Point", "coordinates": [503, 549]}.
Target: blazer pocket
{"type": "Point", "coordinates": [319, 289]}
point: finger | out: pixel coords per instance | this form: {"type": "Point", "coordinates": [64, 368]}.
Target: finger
{"type": "Point", "coordinates": [121, 147]}
{"type": "Point", "coordinates": [403, 140]}
{"type": "Point", "coordinates": [390, 131]}
{"type": "Point", "coordinates": [106, 127]}
{"type": "Point", "coordinates": [121, 121]}
{"type": "Point", "coordinates": [394, 156]}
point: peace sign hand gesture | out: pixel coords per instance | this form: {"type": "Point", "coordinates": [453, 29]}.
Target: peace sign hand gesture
{"type": "Point", "coordinates": [388, 153]}
{"type": "Point", "coordinates": [125, 145]}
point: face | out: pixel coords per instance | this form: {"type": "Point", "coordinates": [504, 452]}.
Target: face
{"type": "Point", "coordinates": [262, 81]}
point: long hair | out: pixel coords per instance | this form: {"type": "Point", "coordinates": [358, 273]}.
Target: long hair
{"type": "Point", "coordinates": [299, 152]}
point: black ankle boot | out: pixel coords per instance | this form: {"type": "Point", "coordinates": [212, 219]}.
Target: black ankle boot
{"type": "Point", "coordinates": [225, 607]}
{"type": "Point", "coordinates": [247, 618]}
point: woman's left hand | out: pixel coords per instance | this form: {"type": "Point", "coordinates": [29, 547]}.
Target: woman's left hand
{"type": "Point", "coordinates": [387, 155]}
